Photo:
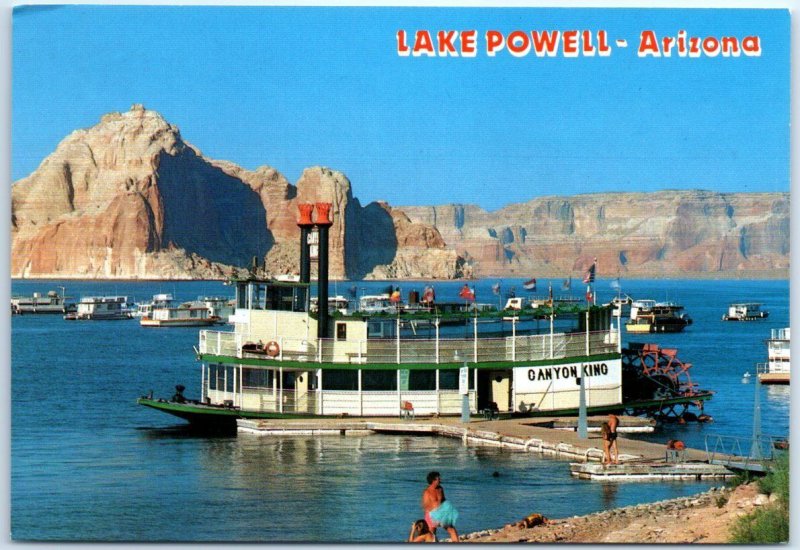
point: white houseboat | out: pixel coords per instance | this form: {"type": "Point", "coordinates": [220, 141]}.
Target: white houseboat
{"type": "Point", "coordinates": [219, 306]}
{"type": "Point", "coordinates": [745, 312]}
{"type": "Point", "coordinates": [101, 308]}
{"type": "Point", "coordinates": [144, 309]}
{"type": "Point", "coordinates": [52, 302]}
{"type": "Point", "coordinates": [283, 361]}
{"type": "Point", "coordinates": [777, 370]}
{"type": "Point", "coordinates": [187, 314]}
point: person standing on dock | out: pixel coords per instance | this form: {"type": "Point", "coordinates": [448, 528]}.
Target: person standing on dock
{"type": "Point", "coordinates": [613, 422]}
{"type": "Point", "coordinates": [438, 510]}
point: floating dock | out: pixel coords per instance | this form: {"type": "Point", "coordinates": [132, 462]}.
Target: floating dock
{"type": "Point", "coordinates": [650, 470]}
{"type": "Point", "coordinates": [552, 437]}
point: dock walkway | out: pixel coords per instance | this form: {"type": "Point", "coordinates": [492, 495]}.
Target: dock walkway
{"type": "Point", "coordinates": [526, 434]}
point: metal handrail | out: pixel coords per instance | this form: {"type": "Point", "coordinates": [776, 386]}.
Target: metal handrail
{"type": "Point", "coordinates": [728, 450]}
{"type": "Point", "coordinates": [516, 349]}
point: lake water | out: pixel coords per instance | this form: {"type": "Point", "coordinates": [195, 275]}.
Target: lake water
{"type": "Point", "coordinates": [88, 464]}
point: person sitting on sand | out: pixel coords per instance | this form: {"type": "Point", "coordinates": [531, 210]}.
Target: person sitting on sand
{"type": "Point", "coordinates": [420, 532]}
{"type": "Point", "coordinates": [438, 510]}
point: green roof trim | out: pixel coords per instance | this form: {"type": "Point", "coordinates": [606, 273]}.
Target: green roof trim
{"type": "Point", "coordinates": [272, 363]}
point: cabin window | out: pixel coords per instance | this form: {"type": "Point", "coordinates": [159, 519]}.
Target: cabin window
{"type": "Point", "coordinates": [258, 378]}
{"type": "Point", "coordinates": [340, 380]}
{"type": "Point", "coordinates": [448, 379]}
{"type": "Point", "coordinates": [421, 380]}
{"type": "Point", "coordinates": [379, 380]}
{"type": "Point", "coordinates": [341, 331]}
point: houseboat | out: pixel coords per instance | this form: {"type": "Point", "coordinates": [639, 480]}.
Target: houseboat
{"type": "Point", "coordinates": [335, 304]}
{"type": "Point", "coordinates": [220, 307]}
{"type": "Point", "coordinates": [777, 370]}
{"type": "Point", "coordinates": [378, 303]}
{"type": "Point", "coordinates": [745, 312]}
{"type": "Point", "coordinates": [187, 314]}
{"type": "Point", "coordinates": [101, 308]}
{"type": "Point", "coordinates": [282, 360]}
{"type": "Point", "coordinates": [52, 302]}
{"type": "Point", "coordinates": [650, 316]}
{"type": "Point", "coordinates": [144, 309]}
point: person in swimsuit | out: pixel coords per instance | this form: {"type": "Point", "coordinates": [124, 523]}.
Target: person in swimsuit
{"type": "Point", "coordinates": [438, 510]}
{"type": "Point", "coordinates": [613, 422]}
{"type": "Point", "coordinates": [420, 532]}
{"type": "Point", "coordinates": [605, 432]}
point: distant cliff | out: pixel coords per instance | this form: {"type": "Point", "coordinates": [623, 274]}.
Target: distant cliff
{"type": "Point", "coordinates": [129, 198]}
{"type": "Point", "coordinates": [668, 233]}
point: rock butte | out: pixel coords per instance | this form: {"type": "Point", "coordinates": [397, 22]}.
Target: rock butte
{"type": "Point", "coordinates": [129, 198]}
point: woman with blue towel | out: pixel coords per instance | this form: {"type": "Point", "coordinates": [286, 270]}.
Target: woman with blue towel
{"type": "Point", "coordinates": [438, 510]}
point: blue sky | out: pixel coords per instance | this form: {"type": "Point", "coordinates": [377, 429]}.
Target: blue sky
{"type": "Point", "coordinates": [298, 87]}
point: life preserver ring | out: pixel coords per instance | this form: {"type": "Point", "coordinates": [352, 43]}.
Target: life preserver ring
{"type": "Point", "coordinates": [272, 348]}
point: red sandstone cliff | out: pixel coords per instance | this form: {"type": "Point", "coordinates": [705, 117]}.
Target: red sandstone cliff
{"type": "Point", "coordinates": [668, 233]}
{"type": "Point", "coordinates": [129, 198]}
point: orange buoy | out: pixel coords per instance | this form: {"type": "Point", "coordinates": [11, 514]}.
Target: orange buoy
{"type": "Point", "coordinates": [272, 348]}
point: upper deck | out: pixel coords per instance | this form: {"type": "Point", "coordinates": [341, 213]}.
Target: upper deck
{"type": "Point", "coordinates": [277, 314]}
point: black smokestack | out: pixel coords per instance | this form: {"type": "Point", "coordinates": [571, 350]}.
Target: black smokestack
{"type": "Point", "coordinates": [305, 224]}
{"type": "Point", "coordinates": [323, 224]}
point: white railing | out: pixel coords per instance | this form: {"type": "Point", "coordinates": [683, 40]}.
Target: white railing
{"type": "Point", "coordinates": [405, 351]}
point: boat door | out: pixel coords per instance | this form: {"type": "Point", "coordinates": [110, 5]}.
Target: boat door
{"type": "Point", "coordinates": [495, 386]}
{"type": "Point", "coordinates": [296, 386]}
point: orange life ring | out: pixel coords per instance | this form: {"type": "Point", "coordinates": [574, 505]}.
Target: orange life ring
{"type": "Point", "coordinates": [272, 348]}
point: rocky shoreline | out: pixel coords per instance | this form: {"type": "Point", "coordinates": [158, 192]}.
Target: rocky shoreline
{"type": "Point", "coordinates": [703, 518]}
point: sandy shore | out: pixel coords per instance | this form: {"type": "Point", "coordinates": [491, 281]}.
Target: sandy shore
{"type": "Point", "coordinates": [703, 518]}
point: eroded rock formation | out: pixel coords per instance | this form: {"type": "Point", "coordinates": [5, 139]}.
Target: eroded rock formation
{"type": "Point", "coordinates": [668, 233]}
{"type": "Point", "coordinates": [129, 198]}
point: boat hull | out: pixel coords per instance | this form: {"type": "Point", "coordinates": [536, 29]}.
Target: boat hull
{"type": "Point", "coordinates": [159, 323]}
{"type": "Point", "coordinates": [774, 378]}
{"type": "Point", "coordinates": [224, 418]}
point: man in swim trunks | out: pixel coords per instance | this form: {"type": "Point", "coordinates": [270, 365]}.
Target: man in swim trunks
{"type": "Point", "coordinates": [613, 422]}
{"type": "Point", "coordinates": [438, 510]}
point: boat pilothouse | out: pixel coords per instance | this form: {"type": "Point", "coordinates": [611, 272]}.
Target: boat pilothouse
{"type": "Point", "coordinates": [283, 360]}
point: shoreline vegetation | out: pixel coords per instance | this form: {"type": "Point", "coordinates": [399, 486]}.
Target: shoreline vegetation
{"type": "Point", "coordinates": [755, 512]}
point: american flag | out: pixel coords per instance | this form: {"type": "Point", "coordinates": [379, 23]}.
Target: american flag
{"type": "Point", "coordinates": [589, 277]}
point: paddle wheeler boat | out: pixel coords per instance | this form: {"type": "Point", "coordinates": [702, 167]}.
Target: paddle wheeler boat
{"type": "Point", "coordinates": [283, 361]}
{"type": "Point", "coordinates": [777, 369]}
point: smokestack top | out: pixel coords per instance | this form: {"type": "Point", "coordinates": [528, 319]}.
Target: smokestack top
{"type": "Point", "coordinates": [323, 213]}
{"type": "Point", "coordinates": [306, 211]}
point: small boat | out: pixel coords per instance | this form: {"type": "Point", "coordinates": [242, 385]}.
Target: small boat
{"type": "Point", "coordinates": [378, 303]}
{"type": "Point", "coordinates": [52, 302]}
{"type": "Point", "coordinates": [745, 312]}
{"type": "Point", "coordinates": [529, 285]}
{"type": "Point", "coordinates": [651, 316]}
{"type": "Point", "coordinates": [188, 314]}
{"type": "Point", "coordinates": [146, 308]}
{"type": "Point", "coordinates": [335, 304]}
{"type": "Point", "coordinates": [101, 308]}
{"type": "Point", "coordinates": [777, 370]}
